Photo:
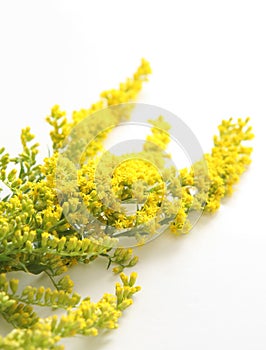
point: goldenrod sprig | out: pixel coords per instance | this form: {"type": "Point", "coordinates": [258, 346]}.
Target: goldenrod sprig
{"type": "Point", "coordinates": [122, 258]}
{"type": "Point", "coordinates": [87, 318]}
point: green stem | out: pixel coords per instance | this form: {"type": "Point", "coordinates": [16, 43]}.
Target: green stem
{"type": "Point", "coordinates": [52, 280]}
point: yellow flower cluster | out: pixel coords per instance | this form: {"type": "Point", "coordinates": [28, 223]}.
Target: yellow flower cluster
{"type": "Point", "coordinates": [127, 91]}
{"type": "Point", "coordinates": [228, 160]}
{"type": "Point", "coordinates": [82, 317]}
{"type": "Point", "coordinates": [132, 181]}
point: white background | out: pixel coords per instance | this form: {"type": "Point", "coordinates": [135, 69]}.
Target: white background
{"type": "Point", "coordinates": [206, 290]}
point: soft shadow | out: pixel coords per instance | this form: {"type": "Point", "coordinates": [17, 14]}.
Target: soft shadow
{"type": "Point", "coordinates": [84, 343]}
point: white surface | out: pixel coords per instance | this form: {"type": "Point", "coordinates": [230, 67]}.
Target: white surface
{"type": "Point", "coordinates": [206, 290]}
